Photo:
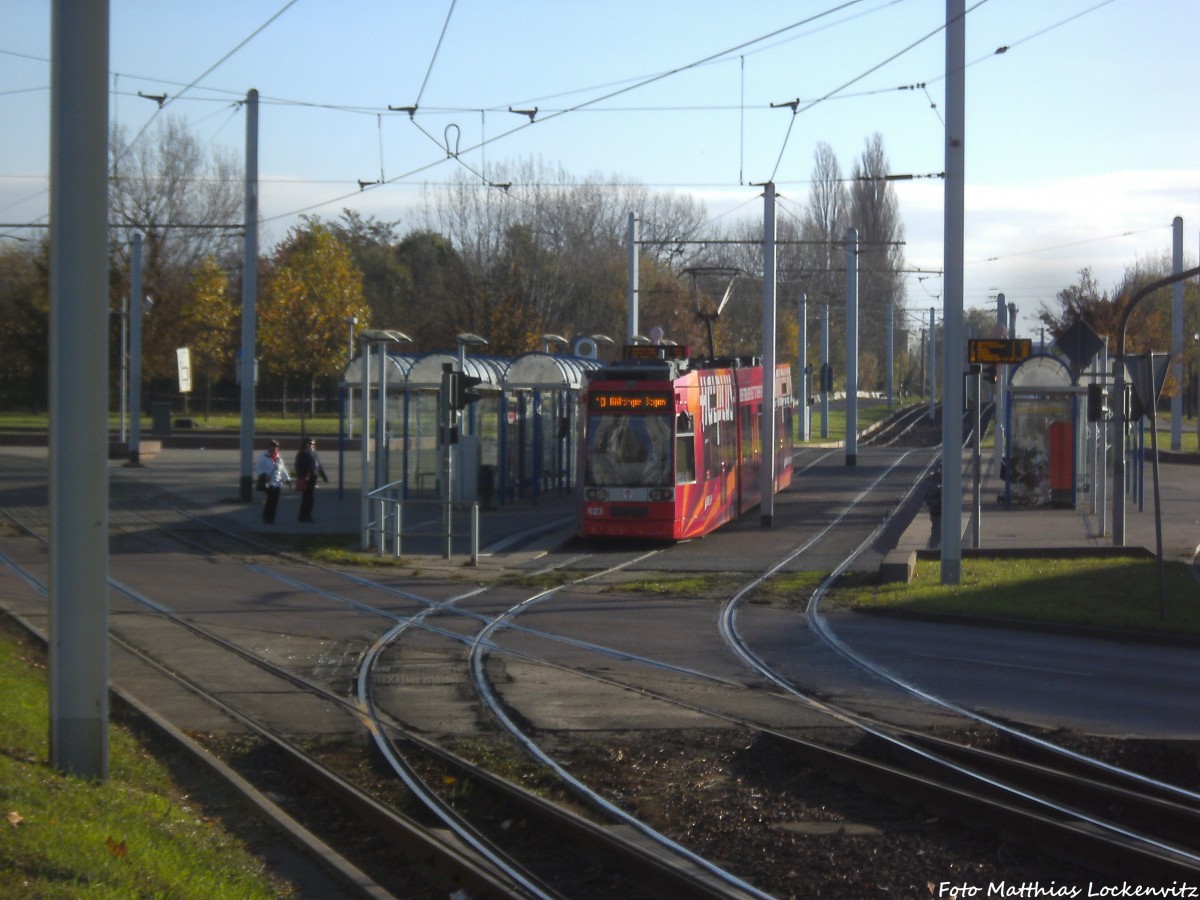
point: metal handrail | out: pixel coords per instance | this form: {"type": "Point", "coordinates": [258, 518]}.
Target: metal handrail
{"type": "Point", "coordinates": [387, 495]}
{"type": "Point", "coordinates": [391, 513]}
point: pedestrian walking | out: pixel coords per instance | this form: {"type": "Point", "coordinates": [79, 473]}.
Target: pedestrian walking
{"type": "Point", "coordinates": [272, 476]}
{"type": "Point", "coordinates": [308, 470]}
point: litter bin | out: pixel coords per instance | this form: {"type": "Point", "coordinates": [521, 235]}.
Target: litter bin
{"type": "Point", "coordinates": [160, 418]}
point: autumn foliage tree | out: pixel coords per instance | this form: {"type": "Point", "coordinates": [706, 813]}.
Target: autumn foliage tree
{"type": "Point", "coordinates": [312, 288]}
{"type": "Point", "coordinates": [214, 318]}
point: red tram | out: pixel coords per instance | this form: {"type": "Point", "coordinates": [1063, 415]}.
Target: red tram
{"type": "Point", "coordinates": [672, 446]}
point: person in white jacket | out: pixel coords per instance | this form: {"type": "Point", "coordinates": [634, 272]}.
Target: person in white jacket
{"type": "Point", "coordinates": [272, 476]}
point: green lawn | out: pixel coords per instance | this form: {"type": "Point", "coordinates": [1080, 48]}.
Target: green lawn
{"type": "Point", "coordinates": [138, 834]}
{"type": "Point", "coordinates": [268, 424]}
{"type": "Point", "coordinates": [1116, 593]}
{"type": "Point", "coordinates": [868, 415]}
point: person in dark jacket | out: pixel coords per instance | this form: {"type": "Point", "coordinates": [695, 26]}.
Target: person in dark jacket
{"type": "Point", "coordinates": [307, 470]}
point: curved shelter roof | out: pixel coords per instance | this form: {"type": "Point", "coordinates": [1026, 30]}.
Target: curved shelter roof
{"type": "Point", "coordinates": [547, 371]}
{"type": "Point", "coordinates": [397, 369]}
{"type": "Point", "coordinates": [1041, 371]}
{"type": "Point", "coordinates": [426, 371]}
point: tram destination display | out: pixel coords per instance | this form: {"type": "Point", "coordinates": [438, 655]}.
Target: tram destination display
{"type": "Point", "coordinates": [629, 401]}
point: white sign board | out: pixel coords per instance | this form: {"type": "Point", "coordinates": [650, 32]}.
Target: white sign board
{"type": "Point", "coordinates": [184, 358]}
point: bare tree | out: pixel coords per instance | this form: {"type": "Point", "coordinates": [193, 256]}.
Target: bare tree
{"type": "Point", "coordinates": [181, 197]}
{"type": "Point", "coordinates": [875, 213]}
{"type": "Point", "coordinates": [548, 251]}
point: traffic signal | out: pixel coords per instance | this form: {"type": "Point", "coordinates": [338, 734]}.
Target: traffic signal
{"type": "Point", "coordinates": [1095, 402]}
{"type": "Point", "coordinates": [463, 390]}
{"type": "Point", "coordinates": [989, 374]}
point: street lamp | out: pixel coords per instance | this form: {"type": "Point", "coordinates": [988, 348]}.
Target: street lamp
{"type": "Point", "coordinates": [598, 339]}
{"type": "Point", "coordinates": [351, 321]}
{"type": "Point", "coordinates": [464, 340]}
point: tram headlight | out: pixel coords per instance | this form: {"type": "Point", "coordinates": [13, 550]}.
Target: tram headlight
{"type": "Point", "coordinates": [662, 494]}
{"type": "Point", "coordinates": [596, 494]}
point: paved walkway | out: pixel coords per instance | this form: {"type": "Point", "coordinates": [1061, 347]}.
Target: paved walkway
{"type": "Point", "coordinates": [207, 481]}
{"type": "Point", "coordinates": [210, 478]}
{"type": "Point", "coordinates": [1044, 527]}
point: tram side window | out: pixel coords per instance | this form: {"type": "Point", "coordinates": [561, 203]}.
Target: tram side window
{"type": "Point", "coordinates": [685, 449]}
{"type": "Point", "coordinates": [747, 417]}
{"type": "Point", "coordinates": [727, 435]}
{"type": "Point", "coordinates": [709, 435]}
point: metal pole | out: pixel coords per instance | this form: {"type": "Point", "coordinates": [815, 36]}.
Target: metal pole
{"type": "Point", "coordinates": [824, 367]}
{"type": "Point", "coordinates": [769, 401]}
{"type": "Point", "coordinates": [1158, 540]}
{"type": "Point", "coordinates": [249, 298]}
{"type": "Point", "coordinates": [998, 430]}
{"type": "Point", "coordinates": [802, 376]}
{"type": "Point", "coordinates": [631, 327]}
{"type": "Point", "coordinates": [932, 367]}
{"type": "Point", "coordinates": [351, 321]}
{"type": "Point", "coordinates": [952, 297]}
{"type": "Point", "coordinates": [475, 534]}
{"type": "Point", "coordinates": [1177, 334]}
{"type": "Point", "coordinates": [977, 518]}
{"type": "Point", "coordinates": [851, 346]}
{"type": "Point", "coordinates": [381, 448]}
{"type": "Point", "coordinates": [125, 371]}
{"type": "Point", "coordinates": [364, 432]}
{"type": "Point", "coordinates": [891, 364]}
{"type": "Point", "coordinates": [78, 625]}
{"type": "Point", "coordinates": [135, 347]}
{"type": "Point", "coordinates": [447, 416]}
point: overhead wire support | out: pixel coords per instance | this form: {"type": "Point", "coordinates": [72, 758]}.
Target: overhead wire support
{"type": "Point", "coordinates": [899, 177]}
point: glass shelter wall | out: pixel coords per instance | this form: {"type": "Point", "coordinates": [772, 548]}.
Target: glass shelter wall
{"type": "Point", "coordinates": [1043, 453]}
{"type": "Point", "coordinates": [518, 439]}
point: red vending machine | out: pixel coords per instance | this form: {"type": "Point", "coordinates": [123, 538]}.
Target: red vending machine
{"type": "Point", "coordinates": [1062, 464]}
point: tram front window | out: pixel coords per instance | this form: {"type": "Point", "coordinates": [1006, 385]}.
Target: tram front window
{"type": "Point", "coordinates": [629, 451]}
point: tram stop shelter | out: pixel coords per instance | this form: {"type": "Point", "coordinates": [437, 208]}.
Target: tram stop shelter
{"type": "Point", "coordinates": [1044, 419]}
{"type": "Point", "coordinates": [518, 440]}
{"type": "Point", "coordinates": [540, 425]}
{"type": "Point", "coordinates": [476, 444]}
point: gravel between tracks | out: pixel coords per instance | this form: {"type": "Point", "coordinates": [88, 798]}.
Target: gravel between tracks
{"type": "Point", "coordinates": [747, 803]}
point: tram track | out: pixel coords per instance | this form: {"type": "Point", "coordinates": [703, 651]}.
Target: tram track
{"type": "Point", "coordinates": [1083, 826]}
{"type": "Point", "coordinates": [479, 633]}
{"type": "Point", "coordinates": [670, 879]}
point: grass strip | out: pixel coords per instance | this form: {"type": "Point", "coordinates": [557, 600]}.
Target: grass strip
{"type": "Point", "coordinates": [1117, 593]}
{"type": "Point", "coordinates": [137, 834]}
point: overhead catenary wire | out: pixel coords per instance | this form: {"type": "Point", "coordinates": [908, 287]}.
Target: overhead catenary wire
{"type": "Point", "coordinates": [595, 100]}
{"type": "Point", "coordinates": [170, 99]}
{"type": "Point", "coordinates": [758, 44]}
{"type": "Point", "coordinates": [794, 105]}
{"type": "Point", "coordinates": [433, 59]}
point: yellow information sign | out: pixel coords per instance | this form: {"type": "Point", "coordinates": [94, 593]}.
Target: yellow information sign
{"type": "Point", "coordinates": [1000, 350]}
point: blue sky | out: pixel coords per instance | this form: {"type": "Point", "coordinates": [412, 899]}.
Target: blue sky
{"type": "Point", "coordinates": [1083, 141]}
